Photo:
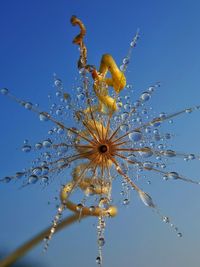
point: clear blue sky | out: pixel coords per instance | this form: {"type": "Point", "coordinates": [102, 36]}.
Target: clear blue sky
{"type": "Point", "coordinates": [36, 41]}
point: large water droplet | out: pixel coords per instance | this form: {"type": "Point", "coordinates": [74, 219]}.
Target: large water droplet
{"type": "Point", "coordinates": [169, 153]}
{"type": "Point", "coordinates": [146, 152]}
{"type": "Point", "coordinates": [146, 199]}
{"type": "Point", "coordinates": [135, 136]}
{"type": "Point", "coordinates": [172, 175]}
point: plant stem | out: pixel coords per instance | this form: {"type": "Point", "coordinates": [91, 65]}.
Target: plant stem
{"type": "Point", "coordinates": [19, 252]}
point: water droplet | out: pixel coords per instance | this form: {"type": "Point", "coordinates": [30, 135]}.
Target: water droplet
{"type": "Point", "coordinates": [43, 116]}
{"type": "Point", "coordinates": [146, 152]}
{"type": "Point", "coordinates": [45, 179]}
{"type": "Point", "coordinates": [45, 170]}
{"type": "Point", "coordinates": [37, 171]}
{"type": "Point", "coordinates": [59, 112]}
{"type": "Point", "coordinates": [79, 207]}
{"type": "Point", "coordinates": [126, 201]}
{"type": "Point", "coordinates": [26, 148]}
{"type": "Point", "coordinates": [172, 175]}
{"type": "Point", "coordinates": [47, 143]}
{"type": "Point", "coordinates": [145, 96]}
{"type": "Point", "coordinates": [19, 174]}
{"type": "Point", "coordinates": [38, 146]}
{"type": "Point", "coordinates": [125, 60]}
{"type": "Point", "coordinates": [191, 156]}
{"type": "Point", "coordinates": [167, 135]}
{"type": "Point", "coordinates": [60, 131]}
{"type": "Point", "coordinates": [6, 179]}
{"type": "Point", "coordinates": [98, 260]}
{"type": "Point", "coordinates": [4, 91]}
{"type": "Point", "coordinates": [124, 127]}
{"type": "Point", "coordinates": [104, 203]}
{"type": "Point", "coordinates": [146, 199]}
{"type": "Point", "coordinates": [81, 97]}
{"type": "Point", "coordinates": [169, 153]}
{"type": "Point", "coordinates": [135, 136]}
{"type": "Point", "coordinates": [92, 208]}
{"type": "Point", "coordinates": [133, 44]}
{"type": "Point", "coordinates": [179, 234]}
{"type": "Point", "coordinates": [188, 110]}
{"type": "Point", "coordinates": [28, 105]}
{"type": "Point", "coordinates": [148, 165]}
{"type": "Point", "coordinates": [58, 83]}
{"type": "Point", "coordinates": [124, 115]}
{"type": "Point", "coordinates": [123, 67]}
{"type": "Point", "coordinates": [32, 179]}
{"type": "Point", "coordinates": [165, 219]}
{"type": "Point", "coordinates": [101, 241]}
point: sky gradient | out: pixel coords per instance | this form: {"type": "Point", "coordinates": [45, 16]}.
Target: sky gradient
{"type": "Point", "coordinates": [36, 41]}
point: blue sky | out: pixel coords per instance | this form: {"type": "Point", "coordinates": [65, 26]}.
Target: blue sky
{"type": "Point", "coordinates": [36, 41]}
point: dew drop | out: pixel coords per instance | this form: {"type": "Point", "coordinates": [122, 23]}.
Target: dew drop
{"type": "Point", "coordinates": [145, 96]}
{"type": "Point", "coordinates": [124, 115]}
{"type": "Point", "coordinates": [135, 136]}
{"type": "Point", "coordinates": [101, 241]}
{"type": "Point", "coordinates": [19, 174]}
{"type": "Point", "coordinates": [124, 127]}
{"type": "Point", "coordinates": [165, 219]}
{"type": "Point", "coordinates": [126, 201]}
{"type": "Point", "coordinates": [28, 105]}
{"type": "Point", "coordinates": [81, 97]}
{"type": "Point", "coordinates": [146, 153]}
{"type": "Point", "coordinates": [98, 260]}
{"type": "Point", "coordinates": [188, 110]}
{"type": "Point", "coordinates": [148, 165]}
{"type": "Point", "coordinates": [169, 153]}
{"type": "Point", "coordinates": [45, 179]}
{"type": "Point", "coordinates": [146, 199]}
{"type": "Point", "coordinates": [179, 234]}
{"type": "Point", "coordinates": [32, 179]}
{"type": "Point", "coordinates": [38, 145]}
{"type": "Point", "coordinates": [172, 175]}
{"type": "Point", "coordinates": [91, 208]}
{"type": "Point", "coordinates": [45, 170]}
{"type": "Point", "coordinates": [43, 116]}
{"type": "Point", "coordinates": [125, 60]}
{"type": "Point", "coordinates": [79, 207]}
{"type": "Point", "coordinates": [4, 91]}
{"type": "Point", "coordinates": [37, 171]}
{"type": "Point", "coordinates": [47, 143]}
{"type": "Point", "coordinates": [26, 148]}
{"type": "Point", "coordinates": [191, 156]}
{"type": "Point", "coordinates": [6, 179]}
{"type": "Point", "coordinates": [58, 83]}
